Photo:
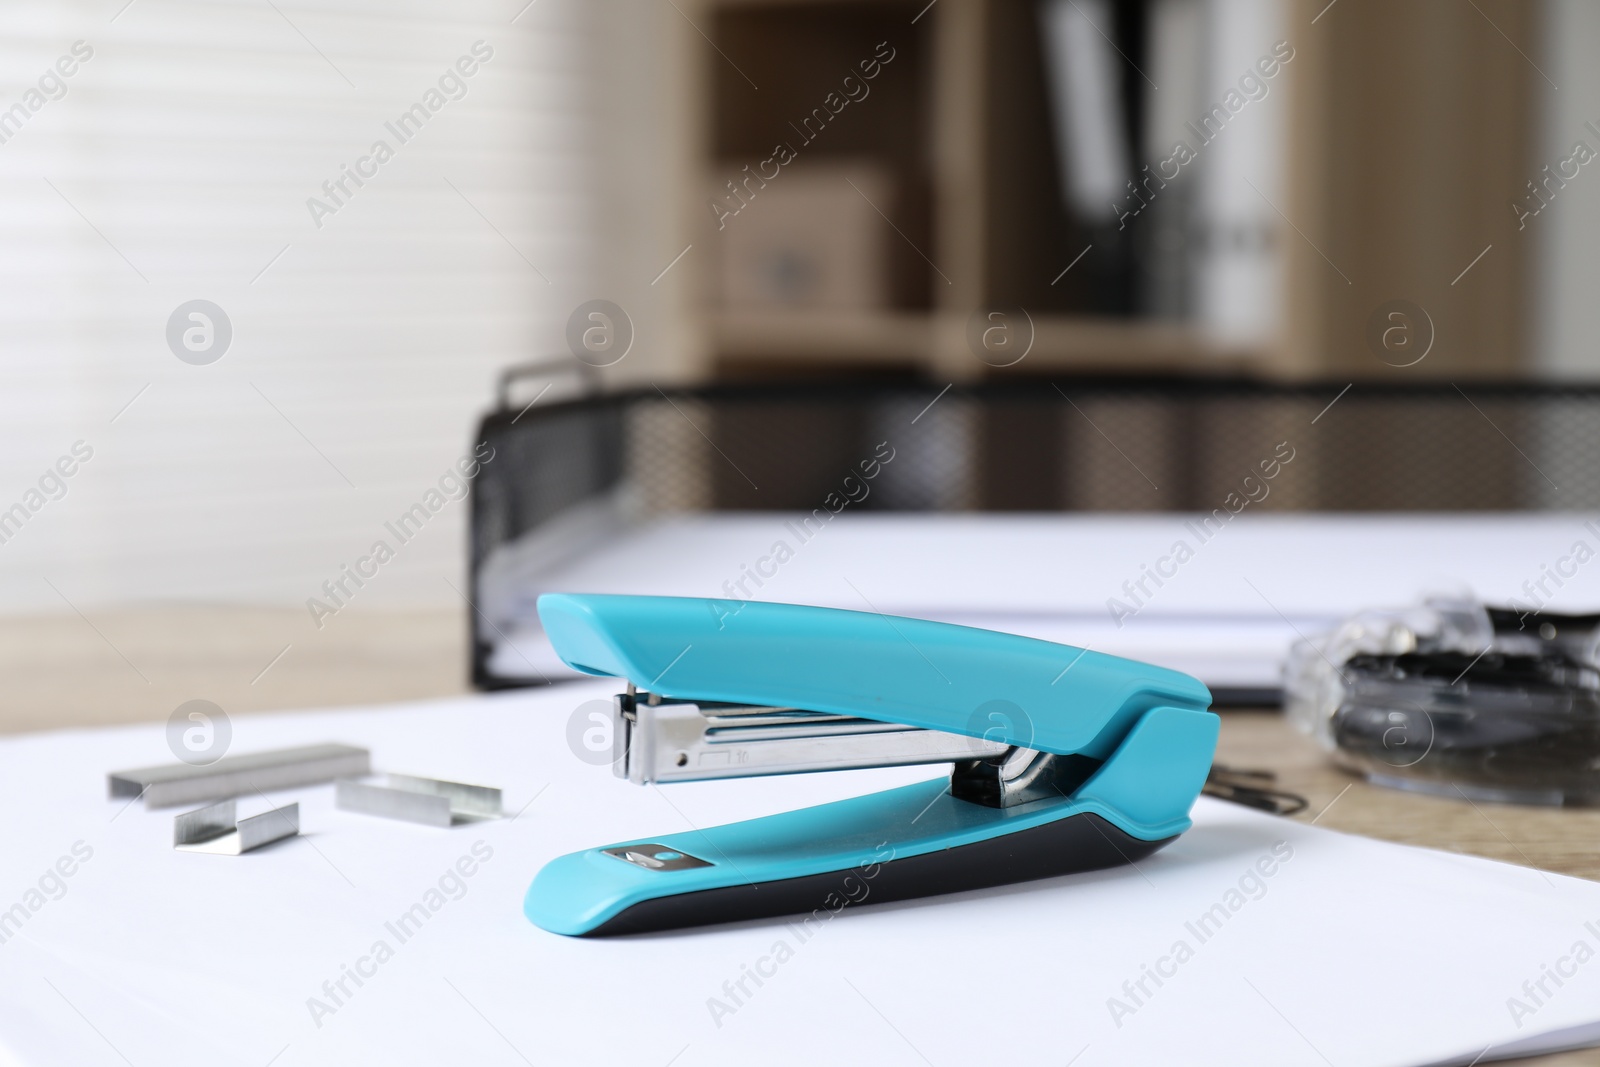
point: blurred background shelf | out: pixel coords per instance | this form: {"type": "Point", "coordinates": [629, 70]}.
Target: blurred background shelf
{"type": "Point", "coordinates": [922, 187]}
{"type": "Point", "coordinates": [863, 337]}
{"type": "Point", "coordinates": [756, 343]}
{"type": "Point", "coordinates": [932, 175]}
{"type": "Point", "coordinates": [1103, 343]}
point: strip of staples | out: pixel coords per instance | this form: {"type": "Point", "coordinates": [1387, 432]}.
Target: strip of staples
{"type": "Point", "coordinates": [170, 784]}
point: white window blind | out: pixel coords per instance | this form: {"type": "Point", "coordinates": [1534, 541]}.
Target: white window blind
{"type": "Point", "coordinates": [204, 151]}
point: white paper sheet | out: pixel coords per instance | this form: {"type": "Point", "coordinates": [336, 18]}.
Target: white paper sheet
{"type": "Point", "coordinates": [1226, 613]}
{"type": "Point", "coordinates": [1351, 952]}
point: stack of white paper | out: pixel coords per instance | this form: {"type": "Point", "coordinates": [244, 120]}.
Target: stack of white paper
{"type": "Point", "coordinates": [1225, 606]}
{"type": "Point", "coordinates": [1251, 940]}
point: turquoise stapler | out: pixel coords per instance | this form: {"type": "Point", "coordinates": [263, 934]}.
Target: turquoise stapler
{"type": "Point", "coordinates": [1065, 759]}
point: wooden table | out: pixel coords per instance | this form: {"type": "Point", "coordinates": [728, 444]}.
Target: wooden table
{"type": "Point", "coordinates": [138, 665]}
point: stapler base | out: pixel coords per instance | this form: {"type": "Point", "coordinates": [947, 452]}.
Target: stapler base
{"type": "Point", "coordinates": [917, 840]}
{"type": "Point", "coordinates": [913, 841]}
{"type": "Point", "coordinates": [1077, 843]}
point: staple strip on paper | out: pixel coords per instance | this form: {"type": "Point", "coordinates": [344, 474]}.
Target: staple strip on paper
{"type": "Point", "coordinates": [171, 784]}
{"type": "Point", "coordinates": [422, 800]}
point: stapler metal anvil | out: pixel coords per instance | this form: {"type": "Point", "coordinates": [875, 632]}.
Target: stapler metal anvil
{"type": "Point", "coordinates": [1064, 759]}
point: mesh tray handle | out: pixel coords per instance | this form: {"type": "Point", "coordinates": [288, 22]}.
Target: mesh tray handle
{"type": "Point", "coordinates": [555, 368]}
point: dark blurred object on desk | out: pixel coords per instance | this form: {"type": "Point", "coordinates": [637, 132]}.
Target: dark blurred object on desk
{"type": "Point", "coordinates": [1460, 699]}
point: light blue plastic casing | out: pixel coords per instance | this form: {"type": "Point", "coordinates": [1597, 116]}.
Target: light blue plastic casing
{"type": "Point", "coordinates": [1149, 725]}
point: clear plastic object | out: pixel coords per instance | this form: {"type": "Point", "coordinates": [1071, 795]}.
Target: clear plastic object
{"type": "Point", "coordinates": [1457, 698]}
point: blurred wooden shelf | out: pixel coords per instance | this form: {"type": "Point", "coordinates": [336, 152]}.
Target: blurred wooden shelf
{"type": "Point", "coordinates": [960, 121]}
{"type": "Point", "coordinates": [918, 338]}
{"type": "Point", "coordinates": [868, 336]}
{"type": "Point", "coordinates": [1079, 341]}
{"type": "Point", "coordinates": [959, 124]}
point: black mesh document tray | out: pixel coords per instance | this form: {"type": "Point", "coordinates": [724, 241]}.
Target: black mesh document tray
{"type": "Point", "coordinates": [563, 468]}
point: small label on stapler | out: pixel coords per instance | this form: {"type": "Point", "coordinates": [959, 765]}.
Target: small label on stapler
{"type": "Point", "coordinates": [655, 857]}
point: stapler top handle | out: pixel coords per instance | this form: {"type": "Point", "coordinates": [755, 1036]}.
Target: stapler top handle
{"type": "Point", "coordinates": [932, 675]}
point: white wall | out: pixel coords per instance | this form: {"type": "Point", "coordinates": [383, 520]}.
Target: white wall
{"type": "Point", "coordinates": [177, 166]}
